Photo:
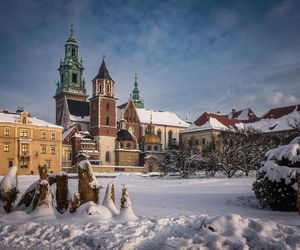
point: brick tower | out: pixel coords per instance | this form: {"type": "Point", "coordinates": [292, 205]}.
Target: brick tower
{"type": "Point", "coordinates": [103, 116]}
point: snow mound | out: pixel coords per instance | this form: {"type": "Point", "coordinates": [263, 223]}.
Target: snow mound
{"type": "Point", "coordinates": [91, 208]}
{"type": "Point", "coordinates": [108, 202]}
{"type": "Point", "coordinates": [9, 181]}
{"type": "Point", "coordinates": [181, 232]}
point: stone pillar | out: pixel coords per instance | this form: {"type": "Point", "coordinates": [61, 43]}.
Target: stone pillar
{"type": "Point", "coordinates": [62, 192]}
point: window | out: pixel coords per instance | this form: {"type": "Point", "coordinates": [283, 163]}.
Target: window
{"type": "Point", "coordinates": [101, 88]}
{"type": "Point", "coordinates": [203, 141]}
{"type": "Point", "coordinates": [107, 156]}
{"type": "Point", "coordinates": [73, 52]}
{"type": "Point", "coordinates": [107, 120]}
{"type": "Point", "coordinates": [24, 120]}
{"type": "Point", "coordinates": [48, 163]}
{"type": "Point", "coordinates": [10, 164]}
{"type": "Point", "coordinates": [24, 162]}
{"type": "Point", "coordinates": [128, 145]}
{"type": "Point", "coordinates": [43, 135]}
{"type": "Point", "coordinates": [159, 133]}
{"type": "Point", "coordinates": [108, 88]}
{"type": "Point", "coordinates": [74, 78]}
{"type": "Point", "coordinates": [23, 133]}
{"type": "Point", "coordinates": [170, 135]}
{"type": "Point", "coordinates": [62, 78]}
{"type": "Point", "coordinates": [52, 150]}
{"type": "Point", "coordinates": [43, 149]}
{"type": "Point", "coordinates": [197, 142]}
{"type": "Point", "coordinates": [107, 106]}
{"type": "Point", "coordinates": [155, 148]}
{"type": "Point", "coordinates": [53, 136]}
{"type": "Point", "coordinates": [6, 131]}
{"type": "Point", "coordinates": [5, 147]}
{"type": "Point", "coordinates": [24, 149]}
{"type": "Point", "coordinates": [148, 148]}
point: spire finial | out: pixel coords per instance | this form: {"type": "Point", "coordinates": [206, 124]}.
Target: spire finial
{"type": "Point", "coordinates": [135, 77]}
{"type": "Point", "coordinates": [150, 117]}
{"type": "Point", "coordinates": [104, 56]}
{"type": "Point", "coordinates": [72, 29]}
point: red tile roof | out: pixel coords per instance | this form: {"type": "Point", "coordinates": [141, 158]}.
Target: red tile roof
{"type": "Point", "coordinates": [222, 119]}
{"type": "Point", "coordinates": [279, 112]}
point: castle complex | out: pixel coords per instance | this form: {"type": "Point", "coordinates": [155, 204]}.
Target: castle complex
{"type": "Point", "coordinates": [111, 136]}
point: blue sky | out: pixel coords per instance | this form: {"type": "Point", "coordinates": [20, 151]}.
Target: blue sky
{"type": "Point", "coordinates": [190, 56]}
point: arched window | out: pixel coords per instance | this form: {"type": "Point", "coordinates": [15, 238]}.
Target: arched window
{"type": "Point", "coordinates": [107, 156]}
{"type": "Point", "coordinates": [108, 88]}
{"type": "Point", "coordinates": [170, 135]}
{"type": "Point", "coordinates": [100, 88]}
{"type": "Point", "coordinates": [149, 148]}
{"type": "Point", "coordinates": [107, 120]}
{"type": "Point", "coordinates": [159, 133]}
{"type": "Point", "coordinates": [107, 105]}
{"type": "Point", "coordinates": [128, 145]}
{"type": "Point", "coordinates": [73, 52]}
{"type": "Point", "coordinates": [24, 120]}
{"type": "Point", "coordinates": [155, 148]}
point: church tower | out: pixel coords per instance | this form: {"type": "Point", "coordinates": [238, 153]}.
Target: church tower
{"type": "Point", "coordinates": [103, 116]}
{"type": "Point", "coordinates": [71, 86]}
{"type": "Point", "coordinates": [138, 102]}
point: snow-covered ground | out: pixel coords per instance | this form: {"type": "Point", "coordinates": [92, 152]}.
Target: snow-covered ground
{"type": "Point", "coordinates": [174, 213]}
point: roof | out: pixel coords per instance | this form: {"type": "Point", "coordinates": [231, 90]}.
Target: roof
{"type": "Point", "coordinates": [124, 135]}
{"type": "Point", "coordinates": [279, 112]}
{"type": "Point", "coordinates": [160, 118]}
{"type": "Point", "coordinates": [103, 72]}
{"type": "Point", "coordinates": [14, 117]}
{"type": "Point", "coordinates": [244, 114]}
{"type": "Point", "coordinates": [150, 139]}
{"type": "Point", "coordinates": [215, 119]}
{"type": "Point", "coordinates": [278, 119]}
{"type": "Point", "coordinates": [79, 108]}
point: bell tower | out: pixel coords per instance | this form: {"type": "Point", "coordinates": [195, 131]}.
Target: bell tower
{"type": "Point", "coordinates": [103, 116]}
{"type": "Point", "coordinates": [71, 85]}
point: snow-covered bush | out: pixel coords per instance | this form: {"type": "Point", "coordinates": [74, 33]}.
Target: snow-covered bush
{"type": "Point", "coordinates": [276, 184]}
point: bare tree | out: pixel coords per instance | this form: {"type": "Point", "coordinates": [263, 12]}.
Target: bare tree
{"type": "Point", "coordinates": [183, 161]}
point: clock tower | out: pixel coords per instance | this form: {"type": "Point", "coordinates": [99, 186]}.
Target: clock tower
{"type": "Point", "coordinates": [103, 116]}
{"type": "Point", "coordinates": [71, 85]}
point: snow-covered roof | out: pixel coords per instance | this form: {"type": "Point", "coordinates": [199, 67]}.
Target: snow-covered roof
{"type": "Point", "coordinates": [275, 124]}
{"type": "Point", "coordinates": [281, 120]}
{"type": "Point", "coordinates": [160, 118]}
{"type": "Point", "coordinates": [14, 117]}
{"type": "Point", "coordinates": [79, 118]}
{"type": "Point", "coordinates": [244, 114]}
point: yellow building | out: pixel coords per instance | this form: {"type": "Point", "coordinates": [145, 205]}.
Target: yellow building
{"type": "Point", "coordinates": [28, 142]}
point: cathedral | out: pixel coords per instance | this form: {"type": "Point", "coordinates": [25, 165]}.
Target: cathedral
{"type": "Point", "coordinates": [114, 138]}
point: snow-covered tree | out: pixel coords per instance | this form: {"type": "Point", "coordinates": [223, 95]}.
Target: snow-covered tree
{"type": "Point", "coordinates": [9, 189]}
{"type": "Point", "coordinates": [184, 161]}
{"type": "Point", "coordinates": [126, 211]}
{"type": "Point", "coordinates": [276, 184]}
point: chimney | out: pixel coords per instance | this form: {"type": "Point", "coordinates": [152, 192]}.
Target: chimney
{"type": "Point", "coordinates": [233, 111]}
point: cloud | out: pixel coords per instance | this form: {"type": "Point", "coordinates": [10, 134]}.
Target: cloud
{"type": "Point", "coordinates": [279, 98]}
